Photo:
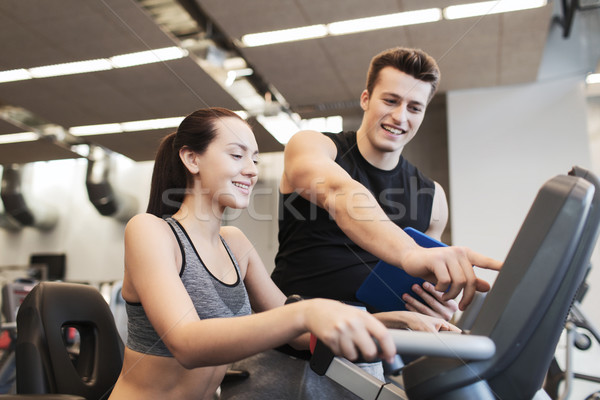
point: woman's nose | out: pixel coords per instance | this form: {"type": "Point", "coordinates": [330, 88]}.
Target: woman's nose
{"type": "Point", "coordinates": [250, 169]}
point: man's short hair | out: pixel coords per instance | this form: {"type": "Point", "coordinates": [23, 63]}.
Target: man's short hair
{"type": "Point", "coordinates": [414, 62]}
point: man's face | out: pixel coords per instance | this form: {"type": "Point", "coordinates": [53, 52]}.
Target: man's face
{"type": "Point", "coordinates": [394, 111]}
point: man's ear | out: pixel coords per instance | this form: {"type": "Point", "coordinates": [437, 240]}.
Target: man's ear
{"type": "Point", "coordinates": [189, 158]}
{"type": "Point", "coordinates": [364, 100]}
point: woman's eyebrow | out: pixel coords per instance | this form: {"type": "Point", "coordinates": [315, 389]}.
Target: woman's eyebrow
{"type": "Point", "coordinates": [242, 146]}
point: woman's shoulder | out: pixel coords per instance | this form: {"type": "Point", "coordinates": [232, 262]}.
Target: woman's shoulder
{"type": "Point", "coordinates": [146, 224]}
{"type": "Point", "coordinates": [145, 219]}
{"type": "Point", "coordinates": [233, 235]}
{"type": "Point", "coordinates": [236, 240]}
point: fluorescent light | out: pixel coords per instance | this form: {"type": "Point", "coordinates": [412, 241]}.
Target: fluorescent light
{"type": "Point", "coordinates": [102, 64]}
{"type": "Point", "coordinates": [242, 114]}
{"type": "Point", "coordinates": [131, 126]}
{"type": "Point", "coordinates": [148, 124]}
{"type": "Point", "coordinates": [100, 129]}
{"type": "Point", "coordinates": [285, 35]}
{"type": "Point", "coordinates": [343, 27]}
{"type": "Point", "coordinates": [281, 126]}
{"type": "Point", "coordinates": [234, 63]}
{"type": "Point", "coordinates": [19, 137]}
{"type": "Point", "coordinates": [490, 7]}
{"type": "Point", "coordinates": [237, 73]}
{"type": "Point", "coordinates": [12, 75]}
{"type": "Point", "coordinates": [333, 123]}
{"type": "Point", "coordinates": [243, 72]}
{"type": "Point", "coordinates": [78, 67]}
{"type": "Point", "coordinates": [148, 57]}
{"type": "Point", "coordinates": [592, 78]}
{"type": "Point", "coordinates": [385, 21]}
{"type": "Point", "coordinates": [231, 76]}
{"type": "Point", "coordinates": [82, 149]}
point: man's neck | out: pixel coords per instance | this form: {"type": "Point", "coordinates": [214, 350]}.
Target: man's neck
{"type": "Point", "coordinates": [385, 160]}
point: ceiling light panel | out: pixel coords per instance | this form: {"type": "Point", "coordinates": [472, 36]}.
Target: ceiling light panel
{"type": "Point", "coordinates": [100, 129]}
{"type": "Point", "coordinates": [19, 137]}
{"type": "Point", "coordinates": [131, 126]}
{"type": "Point", "coordinates": [385, 21]}
{"type": "Point", "coordinates": [160, 123]}
{"type": "Point", "coordinates": [389, 21]}
{"type": "Point", "coordinates": [490, 7]}
{"type": "Point", "coordinates": [102, 64]}
{"type": "Point", "coordinates": [14, 75]}
{"type": "Point", "coordinates": [148, 57]}
{"type": "Point", "coordinates": [282, 127]}
{"type": "Point", "coordinates": [285, 35]}
{"type": "Point", "coordinates": [78, 67]}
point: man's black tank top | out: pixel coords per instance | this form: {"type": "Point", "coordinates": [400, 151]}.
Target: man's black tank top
{"type": "Point", "coordinates": [315, 258]}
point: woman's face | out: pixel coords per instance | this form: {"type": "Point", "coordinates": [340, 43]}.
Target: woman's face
{"type": "Point", "coordinates": [228, 170]}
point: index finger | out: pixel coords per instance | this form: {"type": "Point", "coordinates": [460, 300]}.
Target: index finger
{"type": "Point", "coordinates": [482, 261]}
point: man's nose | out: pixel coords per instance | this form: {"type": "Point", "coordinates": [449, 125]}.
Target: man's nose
{"type": "Point", "coordinates": [400, 113]}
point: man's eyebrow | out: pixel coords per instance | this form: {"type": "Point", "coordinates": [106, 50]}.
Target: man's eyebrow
{"type": "Point", "coordinates": [397, 96]}
{"type": "Point", "coordinates": [242, 146]}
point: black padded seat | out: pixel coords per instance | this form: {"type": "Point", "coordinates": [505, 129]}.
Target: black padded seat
{"type": "Point", "coordinates": [44, 363]}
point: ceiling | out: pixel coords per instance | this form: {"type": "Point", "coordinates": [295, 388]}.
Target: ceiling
{"type": "Point", "coordinates": [317, 77]}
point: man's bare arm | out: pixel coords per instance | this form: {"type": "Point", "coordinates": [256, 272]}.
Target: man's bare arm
{"type": "Point", "coordinates": [310, 169]}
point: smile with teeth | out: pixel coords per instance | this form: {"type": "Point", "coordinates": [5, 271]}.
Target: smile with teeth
{"type": "Point", "coordinates": [393, 130]}
{"type": "Point", "coordinates": [241, 185]}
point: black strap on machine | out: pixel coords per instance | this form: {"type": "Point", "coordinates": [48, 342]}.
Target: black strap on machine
{"type": "Point", "coordinates": [321, 358]}
{"type": "Point", "coordinates": [286, 348]}
{"type": "Point", "coordinates": [294, 298]}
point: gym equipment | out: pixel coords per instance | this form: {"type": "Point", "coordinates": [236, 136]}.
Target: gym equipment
{"type": "Point", "coordinates": [46, 364]}
{"type": "Point", "coordinates": [574, 339]}
{"type": "Point", "coordinates": [13, 294]}
{"type": "Point", "coordinates": [22, 211]}
{"type": "Point", "coordinates": [523, 314]}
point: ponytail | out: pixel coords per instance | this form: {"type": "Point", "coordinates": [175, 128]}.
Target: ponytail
{"type": "Point", "coordinates": [168, 180]}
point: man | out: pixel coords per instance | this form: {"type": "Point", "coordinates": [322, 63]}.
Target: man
{"type": "Point", "coordinates": [345, 200]}
{"type": "Point", "coordinates": [347, 197]}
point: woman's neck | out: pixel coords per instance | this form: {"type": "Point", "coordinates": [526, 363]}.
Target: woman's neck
{"type": "Point", "coordinates": [200, 216]}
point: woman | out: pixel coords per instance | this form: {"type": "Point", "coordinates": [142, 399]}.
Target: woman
{"type": "Point", "coordinates": [190, 284]}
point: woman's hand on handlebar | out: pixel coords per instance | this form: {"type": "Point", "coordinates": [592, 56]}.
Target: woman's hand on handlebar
{"type": "Point", "coordinates": [348, 331]}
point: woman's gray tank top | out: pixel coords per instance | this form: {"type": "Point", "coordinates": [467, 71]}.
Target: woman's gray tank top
{"type": "Point", "coordinates": [211, 297]}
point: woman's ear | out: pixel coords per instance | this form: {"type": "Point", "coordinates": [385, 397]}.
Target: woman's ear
{"type": "Point", "coordinates": [189, 158]}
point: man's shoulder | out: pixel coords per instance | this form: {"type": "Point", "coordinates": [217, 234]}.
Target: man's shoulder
{"type": "Point", "coordinates": [343, 135]}
{"type": "Point", "coordinates": [343, 140]}
{"type": "Point", "coordinates": [410, 169]}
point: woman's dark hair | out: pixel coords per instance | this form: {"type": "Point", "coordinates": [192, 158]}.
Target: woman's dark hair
{"type": "Point", "coordinates": [413, 62]}
{"type": "Point", "coordinates": [170, 176]}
